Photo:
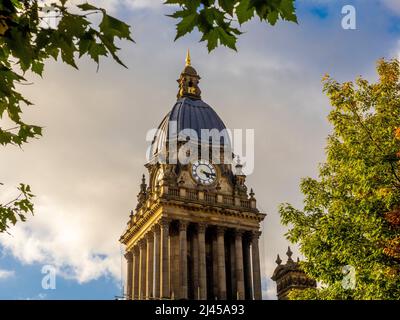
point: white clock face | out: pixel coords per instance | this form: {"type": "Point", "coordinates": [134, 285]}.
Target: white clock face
{"type": "Point", "coordinates": [204, 172]}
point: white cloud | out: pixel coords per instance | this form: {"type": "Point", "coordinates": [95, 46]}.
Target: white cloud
{"type": "Point", "coordinates": [67, 238]}
{"type": "Point", "coordinates": [130, 4]}
{"type": "Point", "coordinates": [268, 289]}
{"type": "Point", "coordinates": [5, 274]}
{"type": "Point", "coordinates": [113, 6]}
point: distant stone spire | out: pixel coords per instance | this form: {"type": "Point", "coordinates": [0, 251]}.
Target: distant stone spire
{"type": "Point", "coordinates": [289, 253]}
{"type": "Point", "coordinates": [251, 193]}
{"type": "Point", "coordinates": [290, 276]}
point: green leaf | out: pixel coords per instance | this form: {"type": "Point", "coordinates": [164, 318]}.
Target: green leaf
{"type": "Point", "coordinates": [288, 10]}
{"type": "Point", "coordinates": [226, 39]}
{"type": "Point", "coordinates": [17, 4]}
{"type": "Point", "coordinates": [112, 27]}
{"type": "Point", "coordinates": [97, 50]}
{"type": "Point", "coordinates": [244, 12]}
{"type": "Point", "coordinates": [212, 39]}
{"type": "Point", "coordinates": [37, 67]}
{"type": "Point", "coordinates": [186, 25]}
{"type": "Point", "coordinates": [227, 5]}
{"type": "Point", "coordinates": [87, 7]}
{"type": "Point", "coordinates": [272, 17]}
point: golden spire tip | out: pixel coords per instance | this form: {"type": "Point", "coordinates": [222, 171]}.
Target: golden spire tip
{"type": "Point", "coordinates": [188, 62]}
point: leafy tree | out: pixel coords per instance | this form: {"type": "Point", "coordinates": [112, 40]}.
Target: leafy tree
{"type": "Point", "coordinates": [219, 21]}
{"type": "Point", "coordinates": [351, 212]}
{"type": "Point", "coordinates": [27, 40]}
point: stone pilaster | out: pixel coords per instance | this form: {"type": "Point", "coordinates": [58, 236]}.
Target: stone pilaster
{"type": "Point", "coordinates": [232, 253]}
{"type": "Point", "coordinates": [248, 285]}
{"type": "Point", "coordinates": [221, 263]}
{"type": "Point", "coordinates": [183, 276]}
{"type": "Point", "coordinates": [215, 266]}
{"type": "Point", "coordinates": [164, 279]}
{"type": "Point", "coordinates": [136, 272]}
{"type": "Point", "coordinates": [175, 275]}
{"type": "Point", "coordinates": [201, 234]}
{"type": "Point", "coordinates": [195, 265]}
{"type": "Point", "coordinates": [150, 265]}
{"type": "Point", "coordinates": [157, 264]}
{"type": "Point", "coordinates": [240, 295]}
{"type": "Point", "coordinates": [129, 275]}
{"type": "Point", "coordinates": [142, 289]}
{"type": "Point", "coordinates": [256, 266]}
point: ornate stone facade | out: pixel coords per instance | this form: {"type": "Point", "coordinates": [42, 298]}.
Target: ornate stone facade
{"type": "Point", "coordinates": [191, 237]}
{"type": "Point", "coordinates": [290, 277]}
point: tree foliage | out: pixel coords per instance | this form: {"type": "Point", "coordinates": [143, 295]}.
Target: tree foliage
{"type": "Point", "coordinates": [351, 212]}
{"type": "Point", "coordinates": [17, 208]}
{"type": "Point", "coordinates": [219, 21]}
{"type": "Point", "coordinates": [27, 40]}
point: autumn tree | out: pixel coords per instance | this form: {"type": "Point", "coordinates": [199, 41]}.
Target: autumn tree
{"type": "Point", "coordinates": [28, 40]}
{"type": "Point", "coordinates": [351, 211]}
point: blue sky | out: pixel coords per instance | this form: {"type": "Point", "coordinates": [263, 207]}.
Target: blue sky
{"type": "Point", "coordinates": [86, 178]}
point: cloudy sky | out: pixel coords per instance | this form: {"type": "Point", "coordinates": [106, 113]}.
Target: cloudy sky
{"type": "Point", "coordinates": [86, 169]}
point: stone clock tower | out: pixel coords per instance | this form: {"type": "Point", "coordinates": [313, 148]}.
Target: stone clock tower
{"type": "Point", "coordinates": [195, 231]}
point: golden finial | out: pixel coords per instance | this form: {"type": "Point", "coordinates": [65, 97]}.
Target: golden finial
{"type": "Point", "coordinates": [188, 62]}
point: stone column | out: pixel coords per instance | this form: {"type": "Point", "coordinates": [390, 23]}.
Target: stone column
{"type": "Point", "coordinates": [195, 265]}
{"type": "Point", "coordinates": [221, 263]}
{"type": "Point", "coordinates": [215, 266]}
{"type": "Point", "coordinates": [150, 265]}
{"type": "Point", "coordinates": [239, 265]}
{"type": "Point", "coordinates": [248, 285]}
{"type": "Point", "coordinates": [157, 253]}
{"type": "Point", "coordinates": [142, 290]}
{"type": "Point", "coordinates": [183, 276]}
{"type": "Point", "coordinates": [174, 243]}
{"type": "Point", "coordinates": [136, 273]}
{"type": "Point", "coordinates": [256, 266]}
{"type": "Point", "coordinates": [129, 274]}
{"type": "Point", "coordinates": [164, 279]}
{"type": "Point", "coordinates": [232, 253]}
{"type": "Point", "coordinates": [201, 236]}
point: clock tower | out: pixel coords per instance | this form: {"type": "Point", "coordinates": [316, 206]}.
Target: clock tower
{"type": "Point", "coordinates": [195, 231]}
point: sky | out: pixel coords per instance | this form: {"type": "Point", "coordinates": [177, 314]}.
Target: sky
{"type": "Point", "coordinates": [85, 171]}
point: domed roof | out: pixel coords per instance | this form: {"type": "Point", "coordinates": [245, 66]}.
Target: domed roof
{"type": "Point", "coordinates": [189, 70]}
{"type": "Point", "coordinates": [187, 119]}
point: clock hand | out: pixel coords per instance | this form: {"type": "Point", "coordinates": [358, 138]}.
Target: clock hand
{"type": "Point", "coordinates": [204, 172]}
{"type": "Point", "coordinates": [208, 174]}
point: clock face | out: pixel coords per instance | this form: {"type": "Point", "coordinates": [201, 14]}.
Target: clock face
{"type": "Point", "coordinates": [204, 172]}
